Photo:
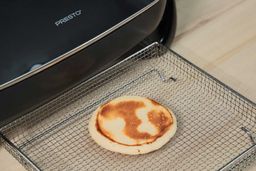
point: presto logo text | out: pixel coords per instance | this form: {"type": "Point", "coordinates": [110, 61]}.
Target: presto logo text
{"type": "Point", "coordinates": [68, 18]}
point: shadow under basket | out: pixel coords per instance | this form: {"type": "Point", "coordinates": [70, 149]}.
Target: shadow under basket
{"type": "Point", "coordinates": [216, 125]}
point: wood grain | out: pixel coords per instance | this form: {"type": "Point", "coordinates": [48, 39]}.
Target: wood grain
{"type": "Point", "coordinates": [219, 36]}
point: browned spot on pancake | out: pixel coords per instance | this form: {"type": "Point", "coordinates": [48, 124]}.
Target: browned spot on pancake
{"type": "Point", "coordinates": [160, 121]}
{"type": "Point", "coordinates": [127, 111]}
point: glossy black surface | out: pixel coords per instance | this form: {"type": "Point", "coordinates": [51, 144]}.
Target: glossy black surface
{"type": "Point", "coordinates": [30, 36]}
{"type": "Point", "coordinates": [155, 24]}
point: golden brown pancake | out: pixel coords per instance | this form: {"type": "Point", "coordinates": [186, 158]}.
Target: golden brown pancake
{"type": "Point", "coordinates": [132, 125]}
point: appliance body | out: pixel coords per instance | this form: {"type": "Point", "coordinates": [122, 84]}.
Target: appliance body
{"type": "Point", "coordinates": [70, 42]}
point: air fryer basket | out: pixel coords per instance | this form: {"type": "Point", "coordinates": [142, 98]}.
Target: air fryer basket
{"type": "Point", "coordinates": [216, 125]}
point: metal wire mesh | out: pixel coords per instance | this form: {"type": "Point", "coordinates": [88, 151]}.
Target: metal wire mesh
{"type": "Point", "coordinates": [216, 125]}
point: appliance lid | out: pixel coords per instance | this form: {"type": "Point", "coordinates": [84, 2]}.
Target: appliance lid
{"type": "Point", "coordinates": [36, 35]}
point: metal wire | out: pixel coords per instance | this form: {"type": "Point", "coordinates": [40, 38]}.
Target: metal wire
{"type": "Point", "coordinates": [216, 126]}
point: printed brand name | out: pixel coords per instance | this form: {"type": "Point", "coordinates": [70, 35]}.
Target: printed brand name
{"type": "Point", "coordinates": [68, 18]}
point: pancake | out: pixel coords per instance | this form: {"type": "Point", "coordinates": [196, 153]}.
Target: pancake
{"type": "Point", "coordinates": [132, 125]}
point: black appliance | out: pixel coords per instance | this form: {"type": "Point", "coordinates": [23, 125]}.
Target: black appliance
{"type": "Point", "coordinates": [48, 47]}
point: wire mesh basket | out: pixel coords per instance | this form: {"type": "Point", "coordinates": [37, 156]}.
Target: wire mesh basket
{"type": "Point", "coordinates": [216, 125]}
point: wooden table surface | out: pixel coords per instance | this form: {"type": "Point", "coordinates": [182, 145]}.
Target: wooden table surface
{"type": "Point", "coordinates": [217, 35]}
